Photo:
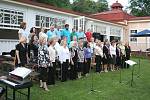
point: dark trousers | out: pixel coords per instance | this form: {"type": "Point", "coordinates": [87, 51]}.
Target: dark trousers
{"type": "Point", "coordinates": [51, 74]}
{"type": "Point", "coordinates": [118, 61]}
{"type": "Point", "coordinates": [87, 65]}
{"type": "Point", "coordinates": [64, 71]}
{"type": "Point", "coordinates": [98, 60]}
{"type": "Point", "coordinates": [73, 71]}
{"type": "Point", "coordinates": [43, 74]}
{"type": "Point", "coordinates": [123, 61]}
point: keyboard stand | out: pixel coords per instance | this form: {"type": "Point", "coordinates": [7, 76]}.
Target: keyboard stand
{"type": "Point", "coordinates": [16, 89]}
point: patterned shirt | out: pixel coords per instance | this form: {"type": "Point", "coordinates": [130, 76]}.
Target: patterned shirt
{"type": "Point", "coordinates": [43, 56]}
{"type": "Point", "coordinates": [80, 55]}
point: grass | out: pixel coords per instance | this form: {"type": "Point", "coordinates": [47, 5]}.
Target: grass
{"type": "Point", "coordinates": [107, 83]}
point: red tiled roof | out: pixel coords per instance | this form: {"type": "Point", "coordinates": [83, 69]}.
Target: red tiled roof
{"type": "Point", "coordinates": [113, 15]}
{"type": "Point", "coordinates": [33, 2]}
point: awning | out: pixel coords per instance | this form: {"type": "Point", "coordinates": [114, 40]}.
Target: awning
{"type": "Point", "coordinates": [144, 33]}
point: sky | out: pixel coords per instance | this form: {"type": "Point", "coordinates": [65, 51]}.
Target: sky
{"type": "Point", "coordinates": [110, 2]}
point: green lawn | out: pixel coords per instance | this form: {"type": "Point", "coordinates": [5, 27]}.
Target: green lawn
{"type": "Point", "coordinates": [107, 83]}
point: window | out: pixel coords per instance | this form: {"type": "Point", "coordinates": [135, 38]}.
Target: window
{"type": "Point", "coordinates": [10, 18]}
{"type": "Point", "coordinates": [75, 24]}
{"type": "Point", "coordinates": [133, 39]}
{"type": "Point", "coordinates": [79, 23]}
{"type": "Point", "coordinates": [115, 31]}
{"type": "Point", "coordinates": [133, 31]}
{"type": "Point", "coordinates": [45, 21]}
{"type": "Point", "coordinates": [98, 29]}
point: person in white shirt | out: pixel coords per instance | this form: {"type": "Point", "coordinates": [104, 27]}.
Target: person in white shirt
{"type": "Point", "coordinates": [99, 55]}
{"type": "Point", "coordinates": [42, 34]}
{"type": "Point", "coordinates": [113, 55]}
{"type": "Point", "coordinates": [52, 67]}
{"type": "Point", "coordinates": [92, 44]}
{"type": "Point", "coordinates": [73, 41]}
{"type": "Point", "coordinates": [123, 54]}
{"type": "Point", "coordinates": [22, 31]}
{"type": "Point", "coordinates": [64, 58]}
{"type": "Point", "coordinates": [57, 47]}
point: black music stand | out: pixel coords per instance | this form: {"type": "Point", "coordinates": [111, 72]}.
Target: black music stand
{"type": "Point", "coordinates": [131, 63]}
{"type": "Point", "coordinates": [120, 78]}
{"type": "Point", "coordinates": [139, 69]}
{"type": "Point", "coordinates": [92, 84]}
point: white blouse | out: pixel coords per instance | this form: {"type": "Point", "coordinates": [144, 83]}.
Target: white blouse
{"type": "Point", "coordinates": [64, 54]}
{"type": "Point", "coordinates": [112, 50]}
{"type": "Point", "coordinates": [23, 33]}
{"type": "Point", "coordinates": [99, 51]}
{"type": "Point", "coordinates": [58, 49]}
{"type": "Point", "coordinates": [52, 53]}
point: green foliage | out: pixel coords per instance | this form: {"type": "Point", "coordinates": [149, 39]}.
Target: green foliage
{"type": "Point", "coordinates": [58, 3]}
{"type": "Point", "coordinates": [90, 6]}
{"type": "Point", "coordinates": [82, 6]}
{"type": "Point", "coordinates": [140, 7]}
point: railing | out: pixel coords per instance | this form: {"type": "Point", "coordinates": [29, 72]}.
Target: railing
{"type": "Point", "coordinates": [6, 45]}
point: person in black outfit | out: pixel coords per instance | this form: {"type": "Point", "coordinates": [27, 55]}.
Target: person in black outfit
{"type": "Point", "coordinates": [33, 49]}
{"type": "Point", "coordinates": [128, 52]}
{"type": "Point", "coordinates": [99, 54]}
{"type": "Point", "coordinates": [21, 53]}
{"type": "Point", "coordinates": [74, 61]}
{"type": "Point", "coordinates": [118, 57]}
{"type": "Point", "coordinates": [106, 57]}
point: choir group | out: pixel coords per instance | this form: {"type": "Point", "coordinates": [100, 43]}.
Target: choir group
{"type": "Point", "coordinates": [73, 52]}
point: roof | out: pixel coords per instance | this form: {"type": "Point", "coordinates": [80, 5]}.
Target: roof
{"type": "Point", "coordinates": [116, 5]}
{"type": "Point", "coordinates": [113, 15]}
{"type": "Point", "coordinates": [34, 3]}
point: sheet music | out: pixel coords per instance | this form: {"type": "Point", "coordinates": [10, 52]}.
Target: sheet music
{"type": "Point", "coordinates": [21, 72]}
{"type": "Point", "coordinates": [8, 82]}
{"type": "Point", "coordinates": [130, 62]}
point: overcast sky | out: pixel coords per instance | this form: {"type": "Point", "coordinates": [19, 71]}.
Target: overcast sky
{"type": "Point", "coordinates": [110, 2]}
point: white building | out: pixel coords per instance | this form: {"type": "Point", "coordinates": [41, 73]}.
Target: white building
{"type": "Point", "coordinates": [12, 12]}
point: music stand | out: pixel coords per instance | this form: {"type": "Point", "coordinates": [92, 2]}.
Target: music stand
{"type": "Point", "coordinates": [131, 63]}
{"type": "Point", "coordinates": [92, 85]}
{"type": "Point", "coordinates": [120, 79]}
{"type": "Point", "coordinates": [139, 69]}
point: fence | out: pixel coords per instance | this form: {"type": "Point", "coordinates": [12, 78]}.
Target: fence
{"type": "Point", "coordinates": [6, 45]}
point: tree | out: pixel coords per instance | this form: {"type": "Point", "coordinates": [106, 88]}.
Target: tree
{"type": "Point", "coordinates": [89, 6]}
{"type": "Point", "coordinates": [102, 5]}
{"type": "Point", "coordinates": [57, 3]}
{"type": "Point", "coordinates": [82, 6]}
{"type": "Point", "coordinates": [140, 7]}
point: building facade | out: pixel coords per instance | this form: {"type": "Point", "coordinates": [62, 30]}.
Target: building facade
{"type": "Point", "coordinates": [13, 12]}
{"type": "Point", "coordinates": [133, 25]}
